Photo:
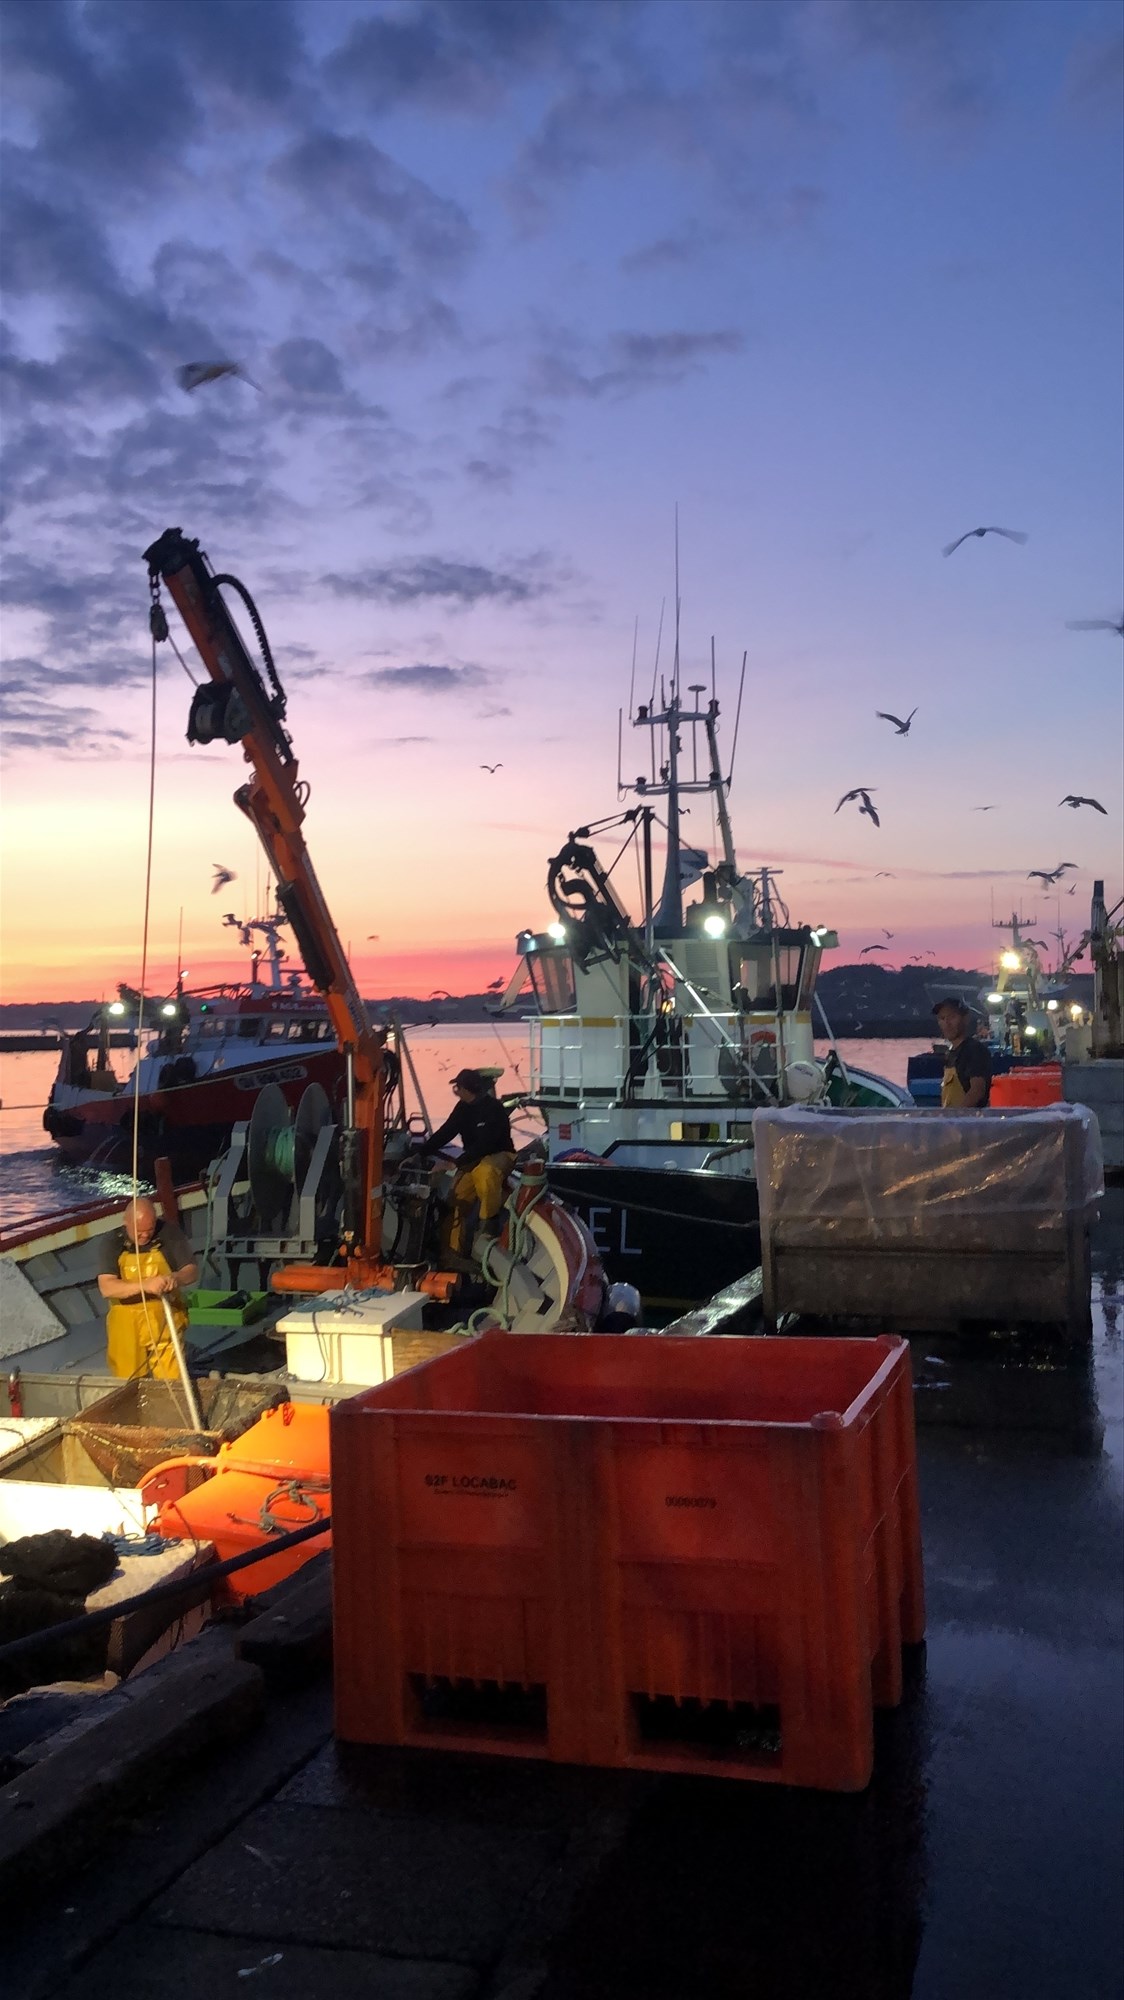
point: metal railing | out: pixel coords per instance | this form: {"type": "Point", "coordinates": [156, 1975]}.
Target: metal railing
{"type": "Point", "coordinates": [647, 1059]}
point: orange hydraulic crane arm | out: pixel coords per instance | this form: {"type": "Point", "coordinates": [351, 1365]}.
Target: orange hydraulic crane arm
{"type": "Point", "coordinates": [236, 706]}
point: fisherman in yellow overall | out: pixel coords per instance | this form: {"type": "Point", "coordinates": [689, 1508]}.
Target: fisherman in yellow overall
{"type": "Point", "coordinates": [966, 1084]}
{"type": "Point", "coordinates": [142, 1264]}
{"type": "Point", "coordinates": [487, 1157]}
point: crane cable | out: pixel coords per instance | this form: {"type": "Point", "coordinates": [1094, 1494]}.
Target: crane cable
{"type": "Point", "coordinates": [144, 957]}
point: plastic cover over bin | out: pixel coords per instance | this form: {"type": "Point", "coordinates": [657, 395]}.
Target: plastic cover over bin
{"type": "Point", "coordinates": [921, 1222]}
{"type": "Point", "coordinates": [920, 1177]}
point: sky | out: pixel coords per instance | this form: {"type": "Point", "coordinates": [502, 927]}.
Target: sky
{"type": "Point", "coordinates": [517, 279]}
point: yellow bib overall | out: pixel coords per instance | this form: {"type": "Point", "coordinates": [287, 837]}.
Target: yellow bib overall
{"type": "Point", "coordinates": [953, 1093]}
{"type": "Point", "coordinates": [136, 1336]}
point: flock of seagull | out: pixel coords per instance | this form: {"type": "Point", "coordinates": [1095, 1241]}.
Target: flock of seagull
{"type": "Point", "coordinates": [1047, 876]}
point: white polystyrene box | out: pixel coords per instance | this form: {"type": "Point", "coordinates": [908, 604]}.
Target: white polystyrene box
{"type": "Point", "coordinates": [327, 1340]}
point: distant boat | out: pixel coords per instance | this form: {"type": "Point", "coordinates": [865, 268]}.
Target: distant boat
{"type": "Point", "coordinates": [211, 1052]}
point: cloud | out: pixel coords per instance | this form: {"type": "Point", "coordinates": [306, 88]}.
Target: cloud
{"type": "Point", "coordinates": [628, 362]}
{"type": "Point", "coordinates": [671, 252]}
{"type": "Point", "coordinates": [939, 52]}
{"type": "Point", "coordinates": [455, 55]}
{"type": "Point", "coordinates": [347, 183]}
{"type": "Point", "coordinates": [418, 327]}
{"type": "Point", "coordinates": [408, 581]}
{"type": "Point", "coordinates": [518, 435]}
{"type": "Point", "coordinates": [33, 725]}
{"type": "Point", "coordinates": [422, 678]}
{"type": "Point", "coordinates": [1094, 78]}
{"type": "Point", "coordinates": [309, 367]}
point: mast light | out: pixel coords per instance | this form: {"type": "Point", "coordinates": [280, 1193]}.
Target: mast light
{"type": "Point", "coordinates": [557, 932]}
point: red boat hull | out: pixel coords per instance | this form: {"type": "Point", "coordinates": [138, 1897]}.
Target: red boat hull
{"type": "Point", "coordinates": [190, 1122]}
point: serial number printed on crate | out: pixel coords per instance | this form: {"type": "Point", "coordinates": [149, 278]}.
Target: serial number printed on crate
{"type": "Point", "coordinates": [689, 1500]}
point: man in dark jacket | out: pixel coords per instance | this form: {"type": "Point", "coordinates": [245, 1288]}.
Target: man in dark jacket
{"type": "Point", "coordinates": [487, 1156]}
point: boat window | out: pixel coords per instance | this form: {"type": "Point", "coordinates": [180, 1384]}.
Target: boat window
{"type": "Point", "coordinates": [552, 977]}
{"type": "Point", "coordinates": [812, 958]}
{"type": "Point", "coordinates": [297, 1031]}
{"type": "Point", "coordinates": [325, 1032]}
{"type": "Point", "coordinates": [784, 954]}
{"type": "Point", "coordinates": [249, 1030]}
{"type": "Point", "coordinates": [275, 1031]}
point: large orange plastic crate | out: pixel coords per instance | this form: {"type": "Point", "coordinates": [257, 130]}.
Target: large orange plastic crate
{"type": "Point", "coordinates": [667, 1553]}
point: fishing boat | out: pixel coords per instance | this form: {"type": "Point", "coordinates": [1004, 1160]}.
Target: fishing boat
{"type": "Point", "coordinates": [209, 1054]}
{"type": "Point", "coordinates": [654, 1038]}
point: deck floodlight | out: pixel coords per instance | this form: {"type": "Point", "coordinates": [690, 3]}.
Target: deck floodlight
{"type": "Point", "coordinates": [116, 1007]}
{"type": "Point", "coordinates": [714, 925]}
{"type": "Point", "coordinates": [1076, 1009]}
{"type": "Point", "coordinates": [995, 999]}
{"type": "Point", "coordinates": [557, 932]}
{"type": "Point", "coordinates": [1011, 962]}
{"type": "Point", "coordinates": [1051, 1006]}
{"type": "Point", "coordinates": [169, 1010]}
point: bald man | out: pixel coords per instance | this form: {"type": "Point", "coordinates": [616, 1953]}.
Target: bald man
{"type": "Point", "coordinates": [143, 1263]}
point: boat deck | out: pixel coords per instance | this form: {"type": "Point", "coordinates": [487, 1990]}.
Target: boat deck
{"type": "Point", "coordinates": [985, 1859]}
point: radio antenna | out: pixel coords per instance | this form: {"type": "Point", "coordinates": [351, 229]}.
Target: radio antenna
{"type": "Point", "coordinates": [656, 666]}
{"type": "Point", "coordinates": [632, 676]}
{"type": "Point", "coordinates": [737, 718]}
{"type": "Point", "coordinates": [677, 667]}
{"type": "Point", "coordinates": [713, 682]}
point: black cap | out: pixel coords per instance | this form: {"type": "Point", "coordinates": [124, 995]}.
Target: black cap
{"type": "Point", "coordinates": [951, 1000]}
{"type": "Point", "coordinates": [471, 1079]}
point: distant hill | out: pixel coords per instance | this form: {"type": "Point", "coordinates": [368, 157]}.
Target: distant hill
{"type": "Point", "coordinates": [871, 1000]}
{"type": "Point", "coordinates": [864, 999]}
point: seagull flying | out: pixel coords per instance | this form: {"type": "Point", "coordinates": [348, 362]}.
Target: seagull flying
{"type": "Point", "coordinates": [888, 873]}
{"type": "Point", "coordinates": [493, 768]}
{"type": "Point", "coordinates": [494, 987]}
{"type": "Point", "coordinates": [439, 993]}
{"type": "Point", "coordinates": [871, 947]}
{"type": "Point", "coordinates": [222, 877]}
{"type": "Point", "coordinates": [983, 809]}
{"type": "Point", "coordinates": [886, 933]}
{"type": "Point", "coordinates": [901, 727]}
{"type": "Point", "coordinates": [1012, 534]}
{"type": "Point", "coordinates": [1071, 799]}
{"type": "Point", "coordinates": [861, 792]}
{"type": "Point", "coordinates": [1049, 875]}
{"type": "Point", "coordinates": [372, 937]}
{"type": "Point", "coordinates": [195, 373]}
{"type": "Point", "coordinates": [1095, 625]}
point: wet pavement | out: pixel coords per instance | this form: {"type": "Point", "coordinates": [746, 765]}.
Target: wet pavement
{"type": "Point", "coordinates": [986, 1859]}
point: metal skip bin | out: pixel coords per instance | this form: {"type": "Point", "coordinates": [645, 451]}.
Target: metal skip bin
{"type": "Point", "coordinates": [921, 1223]}
{"type": "Point", "coordinates": [652, 1553]}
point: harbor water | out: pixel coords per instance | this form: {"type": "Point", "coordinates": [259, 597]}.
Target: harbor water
{"type": "Point", "coordinates": [34, 1181]}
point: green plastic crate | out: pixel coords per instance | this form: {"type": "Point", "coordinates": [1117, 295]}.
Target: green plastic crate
{"type": "Point", "coordinates": [226, 1308]}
